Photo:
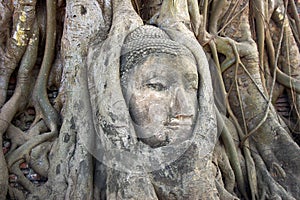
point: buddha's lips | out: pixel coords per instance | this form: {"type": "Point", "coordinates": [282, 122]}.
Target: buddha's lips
{"type": "Point", "coordinates": [181, 121]}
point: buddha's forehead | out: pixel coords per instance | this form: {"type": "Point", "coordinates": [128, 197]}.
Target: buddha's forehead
{"type": "Point", "coordinates": [164, 63]}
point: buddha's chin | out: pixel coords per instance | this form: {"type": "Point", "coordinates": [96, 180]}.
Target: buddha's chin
{"type": "Point", "coordinates": [166, 136]}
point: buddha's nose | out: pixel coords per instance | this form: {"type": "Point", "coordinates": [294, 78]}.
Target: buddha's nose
{"type": "Point", "coordinates": [181, 105]}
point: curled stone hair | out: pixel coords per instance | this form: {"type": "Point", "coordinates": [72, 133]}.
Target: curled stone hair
{"type": "Point", "coordinates": [146, 40]}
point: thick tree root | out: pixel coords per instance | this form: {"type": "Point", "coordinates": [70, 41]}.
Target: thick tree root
{"type": "Point", "coordinates": [224, 194]}
{"type": "Point", "coordinates": [16, 45]}
{"type": "Point", "coordinates": [232, 155]}
{"type": "Point", "coordinates": [24, 86]}
{"type": "Point", "coordinates": [17, 103]}
{"type": "Point", "coordinates": [226, 172]}
{"type": "Point", "coordinates": [5, 17]}
{"type": "Point", "coordinates": [3, 174]}
{"type": "Point", "coordinates": [16, 136]}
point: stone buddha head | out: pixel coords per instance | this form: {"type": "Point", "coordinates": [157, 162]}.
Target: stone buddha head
{"type": "Point", "coordinates": [159, 80]}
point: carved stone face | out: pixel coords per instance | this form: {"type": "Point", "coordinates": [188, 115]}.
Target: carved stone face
{"type": "Point", "coordinates": [161, 94]}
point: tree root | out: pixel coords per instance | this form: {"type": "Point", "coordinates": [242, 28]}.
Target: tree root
{"type": "Point", "coordinates": [16, 136]}
{"type": "Point", "coordinates": [5, 18]}
{"type": "Point", "coordinates": [23, 88]}
{"type": "Point", "coordinates": [295, 16]}
{"type": "Point", "coordinates": [270, 185]}
{"type": "Point", "coordinates": [291, 63]}
{"type": "Point", "coordinates": [251, 171]}
{"type": "Point", "coordinates": [230, 17]}
{"type": "Point", "coordinates": [16, 157]}
{"type": "Point", "coordinates": [175, 14]}
{"type": "Point", "coordinates": [260, 16]}
{"type": "Point", "coordinates": [281, 77]}
{"type": "Point", "coordinates": [219, 8]}
{"type": "Point", "coordinates": [222, 162]}
{"type": "Point", "coordinates": [44, 104]}
{"type": "Point", "coordinates": [3, 174]}
{"type": "Point", "coordinates": [38, 159]}
{"type": "Point", "coordinates": [237, 52]}
{"type": "Point", "coordinates": [270, 93]}
{"type": "Point", "coordinates": [232, 155]}
{"type": "Point", "coordinates": [204, 17]}
{"type": "Point", "coordinates": [25, 149]}
{"type": "Point", "coordinates": [224, 194]}
{"type": "Point", "coordinates": [40, 97]}
{"type": "Point", "coordinates": [21, 179]}
{"type": "Point", "coordinates": [16, 103]}
{"type": "Point", "coordinates": [249, 161]}
{"type": "Point", "coordinates": [14, 193]}
{"type": "Point", "coordinates": [16, 46]}
{"type": "Point", "coordinates": [195, 17]}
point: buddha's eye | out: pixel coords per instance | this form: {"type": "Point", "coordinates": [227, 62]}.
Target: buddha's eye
{"type": "Point", "coordinates": [156, 86]}
{"type": "Point", "coordinates": [193, 86]}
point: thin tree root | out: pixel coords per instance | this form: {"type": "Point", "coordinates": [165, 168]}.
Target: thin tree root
{"type": "Point", "coordinates": [204, 20]}
{"type": "Point", "coordinates": [40, 96]}
{"type": "Point", "coordinates": [228, 21]}
{"type": "Point", "coordinates": [25, 149]}
{"type": "Point", "coordinates": [270, 94]}
{"type": "Point", "coordinates": [16, 157]}
{"type": "Point", "coordinates": [251, 170]}
{"type": "Point", "coordinates": [21, 179]}
{"type": "Point", "coordinates": [214, 51]}
{"type": "Point", "coordinates": [281, 77]}
{"type": "Point", "coordinates": [237, 88]}
{"type": "Point", "coordinates": [35, 130]}
{"type": "Point", "coordinates": [14, 193]}
{"type": "Point", "coordinates": [291, 63]}
{"type": "Point", "coordinates": [229, 48]}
